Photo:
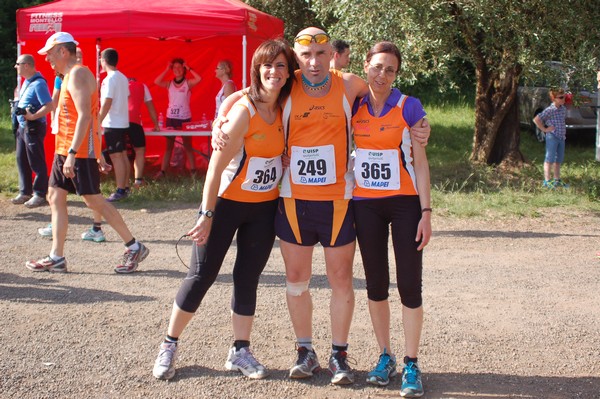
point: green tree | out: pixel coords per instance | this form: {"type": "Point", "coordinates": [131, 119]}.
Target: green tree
{"type": "Point", "coordinates": [8, 38]}
{"type": "Point", "coordinates": [503, 40]}
{"type": "Point", "coordinates": [296, 14]}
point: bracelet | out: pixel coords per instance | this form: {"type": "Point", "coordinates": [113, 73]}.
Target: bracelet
{"type": "Point", "coordinates": [426, 210]}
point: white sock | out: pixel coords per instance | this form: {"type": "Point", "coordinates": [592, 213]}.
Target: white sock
{"type": "Point", "coordinates": [55, 257]}
{"type": "Point", "coordinates": [135, 246]}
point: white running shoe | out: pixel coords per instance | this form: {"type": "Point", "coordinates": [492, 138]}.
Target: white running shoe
{"type": "Point", "coordinates": [164, 366]}
{"type": "Point", "coordinates": [244, 361]}
{"type": "Point", "coordinates": [45, 231]}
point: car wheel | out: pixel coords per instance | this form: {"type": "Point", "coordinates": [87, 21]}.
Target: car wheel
{"type": "Point", "coordinates": [539, 135]}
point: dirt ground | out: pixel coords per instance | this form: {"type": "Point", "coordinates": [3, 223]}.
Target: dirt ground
{"type": "Point", "coordinates": [512, 311]}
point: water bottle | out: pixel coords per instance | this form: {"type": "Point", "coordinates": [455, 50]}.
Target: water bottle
{"type": "Point", "coordinates": [161, 121]}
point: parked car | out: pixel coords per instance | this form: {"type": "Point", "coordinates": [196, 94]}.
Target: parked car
{"type": "Point", "coordinates": [533, 98]}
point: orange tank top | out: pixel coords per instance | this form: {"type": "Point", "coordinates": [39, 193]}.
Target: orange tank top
{"type": "Point", "coordinates": [383, 164]}
{"type": "Point", "coordinates": [254, 172]}
{"type": "Point", "coordinates": [67, 119]}
{"type": "Point", "coordinates": [318, 142]}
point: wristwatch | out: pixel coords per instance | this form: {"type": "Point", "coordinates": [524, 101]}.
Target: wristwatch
{"type": "Point", "coordinates": [72, 151]}
{"type": "Point", "coordinates": [207, 213]}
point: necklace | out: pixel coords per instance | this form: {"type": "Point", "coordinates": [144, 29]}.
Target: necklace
{"type": "Point", "coordinates": [376, 108]}
{"type": "Point", "coordinates": [179, 81]}
{"type": "Point", "coordinates": [315, 86]}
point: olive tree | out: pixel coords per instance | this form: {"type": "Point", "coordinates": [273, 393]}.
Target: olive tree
{"type": "Point", "coordinates": [503, 40]}
{"type": "Point", "coordinates": [296, 14]}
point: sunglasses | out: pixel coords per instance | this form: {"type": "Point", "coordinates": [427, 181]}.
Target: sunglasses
{"type": "Point", "coordinates": [306, 39]}
{"type": "Point", "coordinates": [378, 68]}
{"type": "Point", "coordinates": [560, 97]}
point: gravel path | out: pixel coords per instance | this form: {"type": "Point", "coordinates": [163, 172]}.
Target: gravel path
{"type": "Point", "coordinates": [512, 311]}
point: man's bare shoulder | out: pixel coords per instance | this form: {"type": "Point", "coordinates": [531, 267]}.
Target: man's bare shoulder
{"type": "Point", "coordinates": [355, 85]}
{"type": "Point", "coordinates": [82, 77]}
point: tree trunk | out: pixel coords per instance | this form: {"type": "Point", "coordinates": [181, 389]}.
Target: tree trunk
{"type": "Point", "coordinates": [506, 151]}
{"type": "Point", "coordinates": [497, 133]}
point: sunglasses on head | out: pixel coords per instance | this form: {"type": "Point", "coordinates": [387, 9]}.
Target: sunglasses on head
{"type": "Point", "coordinates": [306, 39]}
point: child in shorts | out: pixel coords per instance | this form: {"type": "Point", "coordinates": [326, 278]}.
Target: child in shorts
{"type": "Point", "coordinates": [551, 121]}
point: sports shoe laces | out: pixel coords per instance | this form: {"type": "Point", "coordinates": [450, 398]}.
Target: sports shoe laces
{"type": "Point", "coordinates": [130, 255]}
{"type": "Point", "coordinates": [247, 359]}
{"type": "Point", "coordinates": [382, 365]}
{"type": "Point", "coordinates": [411, 373]}
{"type": "Point", "coordinates": [340, 360]}
{"type": "Point", "coordinates": [303, 355]}
{"type": "Point", "coordinates": [166, 355]}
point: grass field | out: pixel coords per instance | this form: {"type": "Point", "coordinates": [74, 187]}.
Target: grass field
{"type": "Point", "coordinates": [458, 188]}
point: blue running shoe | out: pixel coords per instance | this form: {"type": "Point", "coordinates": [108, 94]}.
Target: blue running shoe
{"type": "Point", "coordinates": [412, 387]}
{"type": "Point", "coordinates": [559, 183]}
{"type": "Point", "coordinates": [383, 371]}
{"type": "Point", "coordinates": [548, 184]}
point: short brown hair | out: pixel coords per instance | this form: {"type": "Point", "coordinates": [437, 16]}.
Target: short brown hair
{"type": "Point", "coordinates": [555, 91]}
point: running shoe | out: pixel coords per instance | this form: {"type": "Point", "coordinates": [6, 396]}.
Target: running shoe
{"type": "Point", "coordinates": [412, 387]}
{"type": "Point", "coordinates": [45, 231]}
{"type": "Point", "coordinates": [20, 199]}
{"type": "Point", "coordinates": [338, 366]}
{"type": "Point", "coordinates": [306, 363]}
{"type": "Point", "coordinates": [36, 201]}
{"type": "Point", "coordinates": [131, 259]}
{"type": "Point", "coordinates": [559, 183]}
{"type": "Point", "coordinates": [117, 196]}
{"type": "Point", "coordinates": [47, 264]}
{"type": "Point", "coordinates": [548, 184]}
{"type": "Point", "coordinates": [164, 366]}
{"type": "Point", "coordinates": [383, 371]}
{"type": "Point", "coordinates": [244, 361]}
{"type": "Point", "coordinates": [91, 235]}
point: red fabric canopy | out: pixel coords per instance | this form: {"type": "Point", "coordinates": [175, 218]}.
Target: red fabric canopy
{"type": "Point", "coordinates": [148, 34]}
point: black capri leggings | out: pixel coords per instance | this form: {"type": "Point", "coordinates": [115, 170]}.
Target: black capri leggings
{"type": "Point", "coordinates": [372, 218]}
{"type": "Point", "coordinates": [254, 223]}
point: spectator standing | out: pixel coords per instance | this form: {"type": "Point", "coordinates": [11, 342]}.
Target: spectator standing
{"type": "Point", "coordinates": [114, 118]}
{"type": "Point", "coordinates": [223, 72]}
{"type": "Point", "coordinates": [551, 121]}
{"type": "Point", "coordinates": [138, 95]}
{"type": "Point", "coordinates": [34, 103]}
{"type": "Point", "coordinates": [179, 110]}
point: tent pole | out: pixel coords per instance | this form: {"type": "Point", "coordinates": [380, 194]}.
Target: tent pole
{"type": "Point", "coordinates": [18, 89]}
{"type": "Point", "coordinates": [244, 49]}
{"type": "Point", "coordinates": [98, 62]}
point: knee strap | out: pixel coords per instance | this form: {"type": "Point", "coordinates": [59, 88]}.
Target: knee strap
{"type": "Point", "coordinates": [297, 289]}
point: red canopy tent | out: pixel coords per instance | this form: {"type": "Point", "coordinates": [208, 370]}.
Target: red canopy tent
{"type": "Point", "coordinates": [148, 34]}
